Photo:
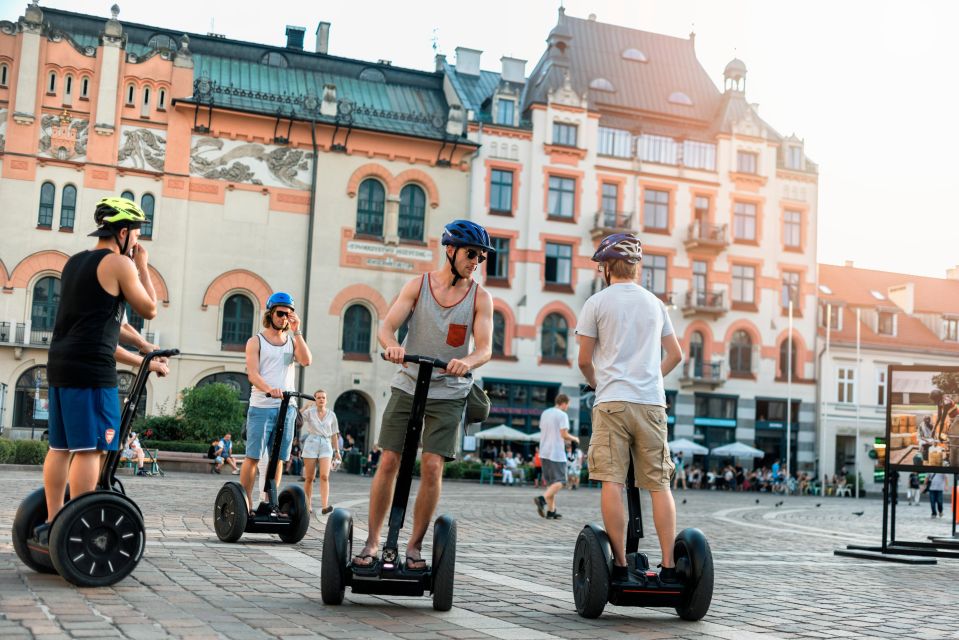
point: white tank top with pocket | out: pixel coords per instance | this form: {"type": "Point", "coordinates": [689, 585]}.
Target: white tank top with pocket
{"type": "Point", "coordinates": [276, 368]}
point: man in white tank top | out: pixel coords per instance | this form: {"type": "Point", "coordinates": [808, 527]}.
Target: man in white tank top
{"type": "Point", "coordinates": [270, 356]}
{"type": "Point", "coordinates": [445, 308]}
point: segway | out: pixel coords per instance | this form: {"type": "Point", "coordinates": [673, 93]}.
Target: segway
{"type": "Point", "coordinates": [286, 514]}
{"type": "Point", "coordinates": [593, 586]}
{"type": "Point", "coordinates": [97, 539]}
{"type": "Point", "coordinates": [386, 575]}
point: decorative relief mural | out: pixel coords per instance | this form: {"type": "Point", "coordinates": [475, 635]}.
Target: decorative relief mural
{"type": "Point", "coordinates": [3, 128]}
{"type": "Point", "coordinates": [63, 137]}
{"type": "Point", "coordinates": [142, 149]}
{"type": "Point", "coordinates": [259, 164]}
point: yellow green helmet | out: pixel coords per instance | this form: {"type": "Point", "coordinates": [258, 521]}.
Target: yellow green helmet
{"type": "Point", "coordinates": [116, 213]}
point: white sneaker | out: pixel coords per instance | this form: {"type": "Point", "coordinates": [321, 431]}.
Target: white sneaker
{"type": "Point", "coordinates": [236, 472]}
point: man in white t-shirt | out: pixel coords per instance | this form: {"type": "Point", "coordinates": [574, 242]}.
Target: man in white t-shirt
{"type": "Point", "coordinates": [621, 332]}
{"type": "Point", "coordinates": [554, 434]}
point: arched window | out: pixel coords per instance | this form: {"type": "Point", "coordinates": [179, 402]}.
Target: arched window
{"type": "Point", "coordinates": [238, 315]}
{"type": "Point", "coordinates": [130, 95]}
{"type": "Point", "coordinates": [147, 204]}
{"type": "Point", "coordinates": [412, 213]}
{"type": "Point", "coordinates": [68, 206]}
{"type": "Point", "coordinates": [741, 353]}
{"type": "Point", "coordinates": [161, 100]}
{"type": "Point", "coordinates": [369, 208]}
{"type": "Point", "coordinates": [52, 82]}
{"type": "Point", "coordinates": [43, 314]}
{"type": "Point", "coordinates": [134, 319]}
{"type": "Point", "coordinates": [555, 337]}
{"type": "Point", "coordinates": [239, 382]}
{"type": "Point", "coordinates": [145, 105]}
{"type": "Point", "coordinates": [274, 59]}
{"type": "Point", "coordinates": [499, 334]}
{"type": "Point", "coordinates": [696, 354]}
{"type": "Point", "coordinates": [30, 400]}
{"type": "Point", "coordinates": [356, 330]}
{"type": "Point", "coordinates": [353, 415]}
{"type": "Point", "coordinates": [84, 87]}
{"type": "Point", "coordinates": [48, 193]}
{"type": "Point", "coordinates": [67, 88]}
{"type": "Point", "coordinates": [163, 42]}
{"type": "Point", "coordinates": [784, 359]}
{"type": "Point", "coordinates": [4, 72]}
{"type": "Point", "coordinates": [128, 195]}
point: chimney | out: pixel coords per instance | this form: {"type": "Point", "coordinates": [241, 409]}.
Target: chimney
{"type": "Point", "coordinates": [514, 69]}
{"type": "Point", "coordinates": [294, 37]}
{"type": "Point", "coordinates": [439, 60]}
{"type": "Point", "coordinates": [952, 274]}
{"type": "Point", "coordinates": [468, 61]}
{"type": "Point", "coordinates": [323, 38]}
{"type": "Point", "coordinates": [848, 264]}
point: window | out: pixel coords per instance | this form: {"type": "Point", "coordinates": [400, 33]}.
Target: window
{"type": "Point", "coordinates": [654, 274]}
{"type": "Point", "coordinates": [162, 41]}
{"type": "Point", "coordinates": [274, 59]}
{"type": "Point", "coordinates": [497, 264]}
{"type": "Point", "coordinates": [43, 314]}
{"type": "Point", "coordinates": [128, 195]}
{"type": "Point", "coordinates": [701, 209]}
{"type": "Point", "coordinates": [68, 88]}
{"type": "Point", "coordinates": [699, 155]}
{"type": "Point", "coordinates": [52, 83]}
{"type": "Point", "coordinates": [30, 408]}
{"type": "Point", "coordinates": [412, 213]}
{"type": "Point", "coordinates": [744, 284]}
{"type": "Point", "coordinates": [792, 229]}
{"type": "Point", "coordinates": [699, 282]}
{"type": "Point", "coordinates": [790, 289]}
{"type": "Point", "coordinates": [696, 353]}
{"type": "Point", "coordinates": [950, 327]}
{"type": "Point", "coordinates": [678, 97]}
{"type": "Point", "coordinates": [741, 354]}
{"type": "Point", "coordinates": [881, 387]}
{"type": "Point", "coordinates": [846, 381]}
{"type": "Point", "coordinates": [47, 194]}
{"type": "Point", "coordinates": [504, 111]}
{"type": "Point", "coordinates": [501, 191]}
{"type": "Point", "coordinates": [68, 206]}
{"type": "Point", "coordinates": [147, 203]}
{"type": "Point", "coordinates": [746, 162]}
{"type": "Point", "coordinates": [610, 197]}
{"type": "Point", "coordinates": [615, 142]}
{"type": "Point", "coordinates": [659, 149]}
{"type": "Point", "coordinates": [555, 335]}
{"type": "Point", "coordinates": [655, 209]}
{"type": "Point", "coordinates": [564, 134]}
{"type": "Point", "coordinates": [4, 70]}
{"type": "Point", "coordinates": [834, 320]}
{"type": "Point", "coordinates": [133, 318]}
{"type": "Point", "coordinates": [130, 95]}
{"type": "Point", "coordinates": [84, 88]}
{"type": "Point", "coordinates": [562, 197]}
{"type": "Point", "coordinates": [709, 406]}
{"type": "Point", "coordinates": [499, 334]}
{"type": "Point", "coordinates": [887, 323]}
{"type": "Point", "coordinates": [744, 221]}
{"type": "Point", "coordinates": [237, 321]}
{"type": "Point", "coordinates": [145, 105]}
{"type": "Point", "coordinates": [356, 330]}
{"type": "Point", "coordinates": [559, 263]}
{"type": "Point", "coordinates": [602, 84]}
{"type": "Point", "coordinates": [369, 208]}
{"type": "Point", "coordinates": [161, 100]}
{"type": "Point", "coordinates": [794, 158]}
{"type": "Point", "coordinates": [784, 359]}
{"type": "Point", "coordinates": [236, 381]}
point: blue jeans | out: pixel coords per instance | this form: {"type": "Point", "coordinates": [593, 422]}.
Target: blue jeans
{"type": "Point", "coordinates": [260, 424]}
{"type": "Point", "coordinates": [935, 500]}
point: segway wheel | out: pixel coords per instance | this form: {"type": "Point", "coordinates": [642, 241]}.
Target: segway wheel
{"type": "Point", "coordinates": [31, 512]}
{"type": "Point", "coordinates": [444, 562]}
{"type": "Point", "coordinates": [292, 501]}
{"type": "Point", "coordinates": [230, 512]}
{"type": "Point", "coordinates": [694, 564]}
{"type": "Point", "coordinates": [590, 575]}
{"type": "Point", "coordinates": [337, 551]}
{"type": "Point", "coordinates": [97, 539]}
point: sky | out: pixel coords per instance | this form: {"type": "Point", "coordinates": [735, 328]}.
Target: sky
{"type": "Point", "coordinates": [869, 85]}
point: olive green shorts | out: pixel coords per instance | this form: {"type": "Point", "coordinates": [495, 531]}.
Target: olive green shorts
{"type": "Point", "coordinates": [441, 424]}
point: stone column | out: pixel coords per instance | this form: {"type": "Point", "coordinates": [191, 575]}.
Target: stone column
{"type": "Point", "coordinates": [391, 220]}
{"type": "Point", "coordinates": [31, 28]}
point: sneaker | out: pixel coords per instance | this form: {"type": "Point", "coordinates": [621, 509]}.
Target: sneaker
{"type": "Point", "coordinates": [212, 468]}
{"type": "Point", "coordinates": [236, 472]}
{"type": "Point", "coordinates": [216, 471]}
{"type": "Point", "coordinates": [552, 515]}
{"type": "Point", "coordinates": [141, 472]}
{"type": "Point", "coordinates": [41, 534]}
{"type": "Point", "coordinates": [668, 574]}
{"type": "Point", "coordinates": [540, 503]}
{"type": "Point", "coordinates": [620, 574]}
{"type": "Point", "coordinates": [326, 510]}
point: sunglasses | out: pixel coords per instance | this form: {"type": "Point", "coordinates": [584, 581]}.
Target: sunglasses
{"type": "Point", "coordinates": [282, 314]}
{"type": "Point", "coordinates": [472, 254]}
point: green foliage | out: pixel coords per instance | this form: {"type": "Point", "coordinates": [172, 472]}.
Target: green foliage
{"type": "Point", "coordinates": [948, 382]}
{"type": "Point", "coordinates": [163, 427]}
{"type": "Point", "coordinates": [209, 411]}
{"type": "Point", "coordinates": [7, 451]}
{"type": "Point", "coordinates": [29, 451]}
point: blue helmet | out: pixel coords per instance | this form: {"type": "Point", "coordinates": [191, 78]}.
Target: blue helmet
{"type": "Point", "coordinates": [464, 233]}
{"type": "Point", "coordinates": [619, 246]}
{"type": "Point", "coordinates": [280, 298]}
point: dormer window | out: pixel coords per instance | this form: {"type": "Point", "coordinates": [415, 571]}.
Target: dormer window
{"type": "Point", "coordinates": [505, 109]}
{"type": "Point", "coordinates": [794, 157]}
{"type": "Point", "coordinates": [950, 329]}
{"type": "Point", "coordinates": [886, 325]}
{"type": "Point", "coordinates": [564, 134]}
{"type": "Point", "coordinates": [274, 59]}
{"type": "Point", "coordinates": [746, 162]}
{"type": "Point", "coordinates": [678, 97]}
{"type": "Point", "coordinates": [602, 84]}
{"type": "Point", "coordinates": [635, 55]}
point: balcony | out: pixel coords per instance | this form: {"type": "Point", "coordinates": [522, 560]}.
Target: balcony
{"type": "Point", "coordinates": [5, 333]}
{"type": "Point", "coordinates": [706, 237]}
{"type": "Point", "coordinates": [702, 375]}
{"type": "Point", "coordinates": [704, 303]}
{"type": "Point", "coordinates": [41, 338]}
{"type": "Point", "coordinates": [607, 222]}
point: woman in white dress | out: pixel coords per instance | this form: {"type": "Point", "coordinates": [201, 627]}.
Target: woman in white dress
{"type": "Point", "coordinates": [321, 441]}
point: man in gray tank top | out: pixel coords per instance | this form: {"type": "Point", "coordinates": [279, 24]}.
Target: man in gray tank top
{"type": "Point", "coordinates": [445, 309]}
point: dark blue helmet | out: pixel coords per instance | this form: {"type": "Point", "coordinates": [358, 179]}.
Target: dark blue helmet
{"type": "Point", "coordinates": [464, 233]}
{"type": "Point", "coordinates": [280, 298]}
{"type": "Point", "coordinates": [619, 246]}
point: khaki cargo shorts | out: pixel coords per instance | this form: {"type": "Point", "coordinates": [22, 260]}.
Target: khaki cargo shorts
{"type": "Point", "coordinates": [440, 430]}
{"type": "Point", "coordinates": [621, 428]}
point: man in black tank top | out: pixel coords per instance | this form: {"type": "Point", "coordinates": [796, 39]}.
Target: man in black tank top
{"type": "Point", "coordinates": [84, 414]}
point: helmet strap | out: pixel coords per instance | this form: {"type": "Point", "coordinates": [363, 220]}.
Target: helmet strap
{"type": "Point", "coordinates": [452, 260]}
{"type": "Point", "coordinates": [126, 243]}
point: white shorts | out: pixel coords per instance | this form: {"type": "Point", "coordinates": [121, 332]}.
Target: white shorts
{"type": "Point", "coordinates": [317, 447]}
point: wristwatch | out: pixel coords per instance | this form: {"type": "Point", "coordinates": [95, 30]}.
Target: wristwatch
{"type": "Point", "coordinates": [297, 333]}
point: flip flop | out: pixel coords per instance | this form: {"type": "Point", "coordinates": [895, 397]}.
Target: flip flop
{"type": "Point", "coordinates": [369, 559]}
{"type": "Point", "coordinates": [410, 564]}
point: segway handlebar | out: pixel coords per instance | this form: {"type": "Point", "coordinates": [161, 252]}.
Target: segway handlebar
{"type": "Point", "coordinates": [436, 362]}
{"type": "Point", "coordinates": [297, 394]}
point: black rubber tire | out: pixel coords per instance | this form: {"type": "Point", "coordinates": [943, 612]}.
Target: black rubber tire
{"type": "Point", "coordinates": [337, 554]}
{"type": "Point", "coordinates": [230, 512]}
{"type": "Point", "coordinates": [590, 575]}
{"type": "Point", "coordinates": [292, 501]}
{"type": "Point", "coordinates": [97, 539]}
{"type": "Point", "coordinates": [444, 566]}
{"type": "Point", "coordinates": [31, 512]}
{"type": "Point", "coordinates": [694, 563]}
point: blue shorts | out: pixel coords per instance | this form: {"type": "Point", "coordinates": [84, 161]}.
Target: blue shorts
{"type": "Point", "coordinates": [260, 423]}
{"type": "Point", "coordinates": [84, 418]}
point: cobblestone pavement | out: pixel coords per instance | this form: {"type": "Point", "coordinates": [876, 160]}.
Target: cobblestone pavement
{"type": "Point", "coordinates": [776, 575]}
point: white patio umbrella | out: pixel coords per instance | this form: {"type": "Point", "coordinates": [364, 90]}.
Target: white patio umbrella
{"type": "Point", "coordinates": [687, 447]}
{"type": "Point", "coordinates": [501, 432]}
{"type": "Point", "coordinates": [737, 450]}
{"type": "Point", "coordinates": [535, 436]}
